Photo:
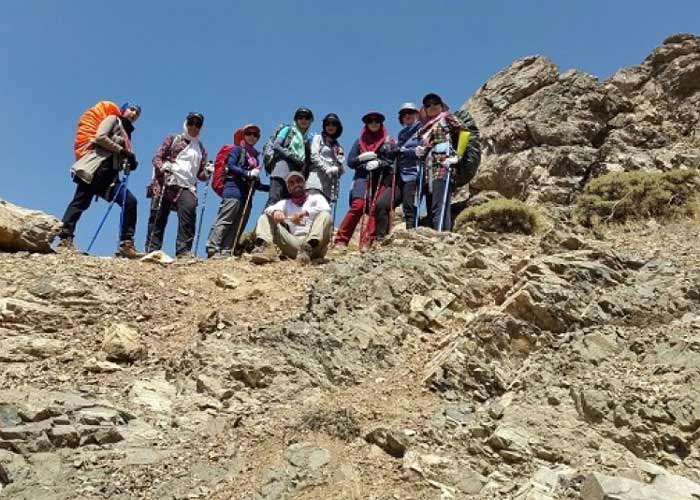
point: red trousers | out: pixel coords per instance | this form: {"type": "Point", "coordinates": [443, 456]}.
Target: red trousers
{"type": "Point", "coordinates": [353, 217]}
{"type": "Point", "coordinates": [350, 221]}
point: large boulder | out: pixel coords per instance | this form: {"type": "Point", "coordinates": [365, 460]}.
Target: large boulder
{"type": "Point", "coordinates": [26, 230]}
{"type": "Point", "coordinates": [544, 134]}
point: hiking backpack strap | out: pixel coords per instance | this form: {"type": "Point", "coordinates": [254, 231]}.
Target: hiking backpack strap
{"type": "Point", "coordinates": [172, 146]}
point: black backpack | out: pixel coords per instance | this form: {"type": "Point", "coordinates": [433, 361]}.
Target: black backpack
{"type": "Point", "coordinates": [468, 164]}
{"type": "Point", "coordinates": [268, 154]}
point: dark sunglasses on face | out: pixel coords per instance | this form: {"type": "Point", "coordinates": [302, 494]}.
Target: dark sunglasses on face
{"type": "Point", "coordinates": [254, 134]}
{"type": "Point", "coordinates": [307, 118]}
{"type": "Point", "coordinates": [194, 124]}
{"type": "Point", "coordinates": [434, 103]}
{"type": "Point", "coordinates": [373, 120]}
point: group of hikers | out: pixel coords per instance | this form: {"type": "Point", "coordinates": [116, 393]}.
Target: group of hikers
{"type": "Point", "coordinates": [304, 180]}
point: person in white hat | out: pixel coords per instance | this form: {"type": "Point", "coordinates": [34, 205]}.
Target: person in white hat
{"type": "Point", "coordinates": [299, 226]}
{"type": "Point", "coordinates": [408, 165]}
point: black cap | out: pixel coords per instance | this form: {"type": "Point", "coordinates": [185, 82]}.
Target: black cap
{"type": "Point", "coordinates": [333, 118]}
{"type": "Point", "coordinates": [369, 115]}
{"type": "Point", "coordinates": [303, 112]}
{"type": "Point", "coordinates": [432, 97]}
{"type": "Point", "coordinates": [194, 117]}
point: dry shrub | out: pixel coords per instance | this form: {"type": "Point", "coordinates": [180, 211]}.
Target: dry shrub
{"type": "Point", "coordinates": [501, 215]}
{"type": "Point", "coordinates": [621, 196]}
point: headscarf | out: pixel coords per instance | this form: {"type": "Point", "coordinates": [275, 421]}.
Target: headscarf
{"type": "Point", "coordinates": [370, 141]}
{"type": "Point", "coordinates": [297, 144]}
{"type": "Point", "coordinates": [239, 140]}
{"type": "Point", "coordinates": [187, 135]}
{"type": "Point", "coordinates": [332, 118]}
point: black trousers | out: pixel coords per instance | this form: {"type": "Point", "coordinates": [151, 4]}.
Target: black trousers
{"type": "Point", "coordinates": [278, 191]}
{"type": "Point", "coordinates": [105, 184]}
{"type": "Point", "coordinates": [405, 194]}
{"type": "Point", "coordinates": [186, 207]}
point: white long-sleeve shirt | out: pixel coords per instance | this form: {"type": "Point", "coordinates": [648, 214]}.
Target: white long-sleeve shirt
{"type": "Point", "coordinates": [185, 167]}
{"type": "Point", "coordinates": [315, 203]}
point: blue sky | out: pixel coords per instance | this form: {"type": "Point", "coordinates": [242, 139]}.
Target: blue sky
{"type": "Point", "coordinates": [241, 62]}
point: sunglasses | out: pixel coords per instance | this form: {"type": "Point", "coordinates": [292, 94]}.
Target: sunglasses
{"type": "Point", "coordinates": [433, 103]}
{"type": "Point", "coordinates": [254, 134]}
{"type": "Point", "coordinates": [194, 123]}
{"type": "Point", "coordinates": [304, 117]}
{"type": "Point", "coordinates": [373, 120]}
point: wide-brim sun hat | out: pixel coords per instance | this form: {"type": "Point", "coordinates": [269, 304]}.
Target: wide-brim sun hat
{"type": "Point", "coordinates": [239, 134]}
{"type": "Point", "coordinates": [367, 116]}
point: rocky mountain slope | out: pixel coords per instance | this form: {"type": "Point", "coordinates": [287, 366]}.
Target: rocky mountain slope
{"type": "Point", "coordinates": [477, 365]}
{"type": "Point", "coordinates": [546, 133]}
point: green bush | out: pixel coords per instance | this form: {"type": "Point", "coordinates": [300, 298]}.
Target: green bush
{"type": "Point", "coordinates": [620, 196]}
{"type": "Point", "coordinates": [502, 215]}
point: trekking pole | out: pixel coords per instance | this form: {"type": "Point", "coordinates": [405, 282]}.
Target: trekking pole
{"type": "Point", "coordinates": [391, 202]}
{"type": "Point", "coordinates": [201, 219]}
{"type": "Point", "coordinates": [240, 222]}
{"type": "Point", "coordinates": [123, 185]}
{"type": "Point", "coordinates": [109, 208]}
{"type": "Point", "coordinates": [444, 198]}
{"type": "Point", "coordinates": [365, 211]}
{"type": "Point", "coordinates": [419, 196]}
{"type": "Point", "coordinates": [149, 240]}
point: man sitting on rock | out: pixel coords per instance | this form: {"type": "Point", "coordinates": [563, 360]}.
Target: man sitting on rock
{"type": "Point", "coordinates": [300, 226]}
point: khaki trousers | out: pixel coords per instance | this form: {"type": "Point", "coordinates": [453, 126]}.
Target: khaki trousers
{"type": "Point", "coordinates": [277, 234]}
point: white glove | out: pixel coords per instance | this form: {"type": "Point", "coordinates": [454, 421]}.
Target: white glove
{"type": "Point", "coordinates": [420, 151]}
{"type": "Point", "coordinates": [452, 160]}
{"type": "Point", "coordinates": [332, 171]}
{"type": "Point", "coordinates": [369, 155]}
{"type": "Point", "coordinates": [209, 168]}
{"type": "Point", "coordinates": [372, 165]}
{"type": "Point", "coordinates": [254, 174]}
{"type": "Point", "coordinates": [167, 167]}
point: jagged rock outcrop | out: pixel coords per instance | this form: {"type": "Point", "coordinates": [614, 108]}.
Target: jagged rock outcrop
{"type": "Point", "coordinates": [545, 133]}
{"type": "Point", "coordinates": [23, 230]}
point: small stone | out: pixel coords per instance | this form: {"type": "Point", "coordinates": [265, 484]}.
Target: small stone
{"type": "Point", "coordinates": [553, 400]}
{"type": "Point", "coordinates": [94, 366]}
{"type": "Point", "coordinates": [64, 436]}
{"type": "Point", "coordinates": [121, 343]}
{"type": "Point", "coordinates": [306, 456]}
{"type": "Point", "coordinates": [212, 387]}
{"type": "Point", "coordinates": [108, 436]}
{"type": "Point", "coordinates": [25, 432]}
{"type": "Point", "coordinates": [461, 413]}
{"type": "Point", "coordinates": [391, 442]}
{"type": "Point", "coordinates": [512, 444]}
{"type": "Point", "coordinates": [99, 416]}
{"type": "Point", "coordinates": [158, 257]}
{"type": "Point", "coordinates": [9, 415]}
{"type": "Point", "coordinates": [4, 476]}
{"type": "Point", "coordinates": [469, 482]}
{"type": "Point", "coordinates": [227, 281]}
{"type": "Point", "coordinates": [35, 414]}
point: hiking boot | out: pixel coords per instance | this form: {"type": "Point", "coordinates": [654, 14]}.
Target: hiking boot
{"type": "Point", "coordinates": [304, 254]}
{"type": "Point", "coordinates": [66, 245]}
{"type": "Point", "coordinates": [128, 251]}
{"type": "Point", "coordinates": [263, 254]}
